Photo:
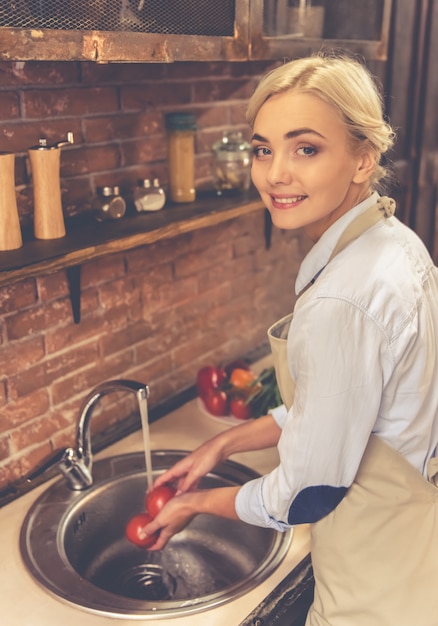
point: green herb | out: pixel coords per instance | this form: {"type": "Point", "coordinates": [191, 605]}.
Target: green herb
{"type": "Point", "coordinates": [266, 398]}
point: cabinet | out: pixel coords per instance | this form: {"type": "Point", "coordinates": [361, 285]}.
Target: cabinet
{"type": "Point", "coordinates": [188, 30]}
{"type": "Point", "coordinates": [291, 28]}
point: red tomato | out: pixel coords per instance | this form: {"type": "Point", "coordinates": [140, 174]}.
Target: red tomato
{"type": "Point", "coordinates": [240, 409]}
{"type": "Point", "coordinates": [135, 534]}
{"type": "Point", "coordinates": [157, 498]}
{"type": "Point", "coordinates": [209, 378]}
{"type": "Point", "coordinates": [216, 402]}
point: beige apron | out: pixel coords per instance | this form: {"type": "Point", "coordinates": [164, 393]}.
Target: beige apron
{"type": "Point", "coordinates": [375, 557]}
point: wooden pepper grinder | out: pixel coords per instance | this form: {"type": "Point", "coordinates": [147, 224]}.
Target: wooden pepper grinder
{"type": "Point", "coordinates": [10, 232]}
{"type": "Point", "coordinates": [45, 163]}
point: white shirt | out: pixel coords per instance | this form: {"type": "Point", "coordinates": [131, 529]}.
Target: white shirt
{"type": "Point", "coordinates": [363, 352]}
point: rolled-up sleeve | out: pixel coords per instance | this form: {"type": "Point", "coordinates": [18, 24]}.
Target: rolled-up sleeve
{"type": "Point", "coordinates": [250, 506]}
{"type": "Point", "coordinates": [279, 414]}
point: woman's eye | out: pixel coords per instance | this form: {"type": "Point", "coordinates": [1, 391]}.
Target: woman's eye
{"type": "Point", "coordinates": [306, 151]}
{"type": "Point", "coordinates": [261, 151]}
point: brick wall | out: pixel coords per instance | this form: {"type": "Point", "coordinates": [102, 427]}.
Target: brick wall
{"type": "Point", "coordinates": [156, 313]}
{"type": "Point", "coordinates": [116, 113]}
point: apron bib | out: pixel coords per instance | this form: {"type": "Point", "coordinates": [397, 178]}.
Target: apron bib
{"type": "Point", "coordinates": [375, 556]}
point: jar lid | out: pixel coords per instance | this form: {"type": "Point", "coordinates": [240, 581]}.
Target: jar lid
{"type": "Point", "coordinates": [108, 191]}
{"type": "Point", "coordinates": [180, 121]}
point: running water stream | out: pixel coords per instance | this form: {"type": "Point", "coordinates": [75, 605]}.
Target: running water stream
{"type": "Point", "coordinates": [146, 442]}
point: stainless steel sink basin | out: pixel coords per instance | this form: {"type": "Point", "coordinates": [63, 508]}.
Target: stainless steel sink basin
{"type": "Point", "coordinates": [73, 544]}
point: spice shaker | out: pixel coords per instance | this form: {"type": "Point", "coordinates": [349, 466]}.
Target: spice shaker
{"type": "Point", "coordinates": [10, 231]}
{"type": "Point", "coordinates": [149, 197]}
{"type": "Point", "coordinates": [109, 204]}
{"type": "Point", "coordinates": [45, 164]}
{"type": "Point", "coordinates": [181, 156]}
{"type": "Point", "coordinates": [231, 164]}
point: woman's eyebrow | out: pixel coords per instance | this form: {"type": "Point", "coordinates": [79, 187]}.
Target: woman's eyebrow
{"type": "Point", "coordinates": [302, 131]}
{"type": "Point", "coordinates": [291, 134]}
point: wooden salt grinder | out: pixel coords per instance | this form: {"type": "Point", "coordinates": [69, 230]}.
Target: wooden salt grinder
{"type": "Point", "coordinates": [10, 232]}
{"type": "Point", "coordinates": [45, 163]}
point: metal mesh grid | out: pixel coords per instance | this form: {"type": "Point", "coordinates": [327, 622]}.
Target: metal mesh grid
{"type": "Point", "coordinates": [180, 17]}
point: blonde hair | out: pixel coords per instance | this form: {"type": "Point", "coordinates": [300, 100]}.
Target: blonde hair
{"type": "Point", "coordinates": [346, 85]}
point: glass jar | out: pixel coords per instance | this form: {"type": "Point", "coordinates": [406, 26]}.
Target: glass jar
{"type": "Point", "coordinates": [149, 197]}
{"type": "Point", "coordinates": [109, 204]}
{"type": "Point", "coordinates": [231, 164]}
{"type": "Point", "coordinates": [181, 156]}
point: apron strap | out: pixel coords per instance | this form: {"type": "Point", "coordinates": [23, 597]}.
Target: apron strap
{"type": "Point", "coordinates": [432, 470]}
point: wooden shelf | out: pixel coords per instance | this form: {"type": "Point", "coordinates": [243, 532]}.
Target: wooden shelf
{"type": "Point", "coordinates": [87, 239]}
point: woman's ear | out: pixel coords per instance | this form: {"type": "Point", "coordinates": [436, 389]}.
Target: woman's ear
{"type": "Point", "coordinates": [366, 164]}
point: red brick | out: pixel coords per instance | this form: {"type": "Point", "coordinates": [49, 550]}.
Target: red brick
{"type": "Point", "coordinates": [140, 97]}
{"type": "Point", "coordinates": [20, 135]}
{"type": "Point", "coordinates": [104, 269]}
{"type": "Point", "coordinates": [36, 319]}
{"type": "Point", "coordinates": [82, 381]}
{"type": "Point", "coordinates": [217, 116]}
{"type": "Point", "coordinates": [143, 150]}
{"type": "Point", "coordinates": [17, 296]}
{"type": "Point", "coordinates": [217, 90]}
{"type": "Point", "coordinates": [33, 457]}
{"type": "Point", "coordinates": [122, 72]}
{"type": "Point", "coordinates": [122, 292]}
{"type": "Point", "coordinates": [9, 472]}
{"type": "Point", "coordinates": [52, 286]}
{"type": "Point", "coordinates": [71, 360]}
{"type": "Point", "coordinates": [38, 431]}
{"type": "Point", "coordinates": [83, 160]}
{"type": "Point", "coordinates": [2, 392]}
{"type": "Point", "coordinates": [18, 356]}
{"type": "Point", "coordinates": [38, 73]}
{"type": "Point", "coordinates": [71, 101]}
{"type": "Point", "coordinates": [144, 259]}
{"type": "Point", "coordinates": [123, 127]}
{"type": "Point", "coordinates": [197, 70]}
{"type": "Point", "coordinates": [24, 383]}
{"type": "Point", "coordinates": [24, 410]}
{"type": "Point", "coordinates": [191, 263]}
{"type": "Point", "coordinates": [125, 338]}
{"type": "Point", "coordinates": [5, 449]}
{"type": "Point", "coordinates": [9, 105]}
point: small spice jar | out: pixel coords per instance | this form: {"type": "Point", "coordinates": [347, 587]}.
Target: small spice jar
{"type": "Point", "coordinates": [109, 204]}
{"type": "Point", "coordinates": [181, 156]}
{"type": "Point", "coordinates": [147, 196]}
{"type": "Point", "coordinates": [231, 164]}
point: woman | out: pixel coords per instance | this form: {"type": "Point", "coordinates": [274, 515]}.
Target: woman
{"type": "Point", "coordinates": [358, 362]}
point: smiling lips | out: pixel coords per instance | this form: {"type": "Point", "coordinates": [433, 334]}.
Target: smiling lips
{"type": "Point", "coordinates": [285, 202]}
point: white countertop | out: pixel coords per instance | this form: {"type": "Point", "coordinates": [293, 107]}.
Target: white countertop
{"type": "Point", "coordinates": [25, 603]}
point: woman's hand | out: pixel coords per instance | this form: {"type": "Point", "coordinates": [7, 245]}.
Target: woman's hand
{"type": "Point", "coordinates": [252, 435]}
{"type": "Point", "coordinates": [180, 510]}
{"type": "Point", "coordinates": [186, 474]}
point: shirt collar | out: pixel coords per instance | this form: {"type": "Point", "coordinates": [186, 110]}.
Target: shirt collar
{"type": "Point", "coordinates": [315, 260]}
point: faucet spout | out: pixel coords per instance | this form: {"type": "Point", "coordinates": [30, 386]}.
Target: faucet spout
{"type": "Point", "coordinates": [76, 465]}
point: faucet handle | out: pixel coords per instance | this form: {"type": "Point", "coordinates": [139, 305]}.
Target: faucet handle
{"type": "Point", "coordinates": [76, 471]}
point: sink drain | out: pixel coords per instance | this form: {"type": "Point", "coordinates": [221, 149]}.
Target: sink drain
{"type": "Point", "coordinates": [147, 581]}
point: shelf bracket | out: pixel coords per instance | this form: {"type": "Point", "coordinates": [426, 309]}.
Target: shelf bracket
{"type": "Point", "coordinates": [74, 285]}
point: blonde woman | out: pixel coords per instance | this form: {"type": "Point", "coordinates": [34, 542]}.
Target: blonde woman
{"type": "Point", "coordinates": [357, 362]}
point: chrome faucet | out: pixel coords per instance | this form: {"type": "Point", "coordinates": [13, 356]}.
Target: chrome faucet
{"type": "Point", "coordinates": [76, 464]}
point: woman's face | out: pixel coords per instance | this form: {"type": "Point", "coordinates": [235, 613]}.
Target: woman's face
{"type": "Point", "coordinates": [303, 167]}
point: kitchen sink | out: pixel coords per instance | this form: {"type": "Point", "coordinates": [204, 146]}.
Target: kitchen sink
{"type": "Point", "coordinates": [73, 544]}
